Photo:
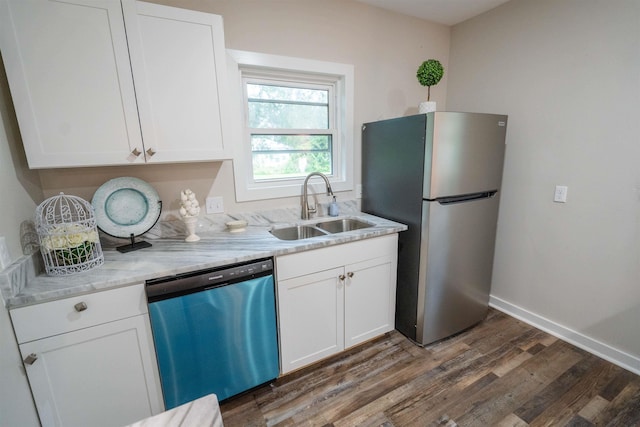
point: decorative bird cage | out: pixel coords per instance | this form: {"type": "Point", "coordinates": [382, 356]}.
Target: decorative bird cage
{"type": "Point", "coordinates": [68, 235]}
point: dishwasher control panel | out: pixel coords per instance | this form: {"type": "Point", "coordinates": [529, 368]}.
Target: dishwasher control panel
{"type": "Point", "coordinates": [195, 281]}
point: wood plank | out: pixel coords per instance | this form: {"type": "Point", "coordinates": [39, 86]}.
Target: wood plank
{"type": "Point", "coordinates": [511, 364]}
{"type": "Point", "coordinates": [308, 393]}
{"type": "Point", "coordinates": [488, 407]}
{"type": "Point", "coordinates": [454, 388]}
{"type": "Point", "coordinates": [593, 408]}
{"type": "Point", "coordinates": [624, 409]}
{"type": "Point", "coordinates": [592, 382]}
{"type": "Point", "coordinates": [376, 387]}
{"type": "Point", "coordinates": [617, 384]}
{"type": "Point", "coordinates": [511, 420]}
{"type": "Point", "coordinates": [501, 372]}
{"type": "Point", "coordinates": [555, 390]}
{"type": "Point", "coordinates": [407, 388]}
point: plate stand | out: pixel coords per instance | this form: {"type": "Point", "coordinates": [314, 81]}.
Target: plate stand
{"type": "Point", "coordinates": [133, 246]}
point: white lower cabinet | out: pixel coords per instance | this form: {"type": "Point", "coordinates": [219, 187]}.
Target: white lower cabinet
{"type": "Point", "coordinates": [333, 298]}
{"type": "Point", "coordinates": [101, 370]}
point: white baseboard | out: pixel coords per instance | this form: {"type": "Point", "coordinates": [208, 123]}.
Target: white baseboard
{"type": "Point", "coordinates": [606, 352]}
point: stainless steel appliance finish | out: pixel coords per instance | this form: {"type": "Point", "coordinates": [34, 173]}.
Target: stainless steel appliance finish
{"type": "Point", "coordinates": [214, 331]}
{"type": "Point", "coordinates": [440, 174]}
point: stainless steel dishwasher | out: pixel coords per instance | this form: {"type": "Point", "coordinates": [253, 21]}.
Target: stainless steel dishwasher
{"type": "Point", "coordinates": [214, 331]}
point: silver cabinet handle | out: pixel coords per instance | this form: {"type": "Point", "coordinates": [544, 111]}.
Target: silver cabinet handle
{"type": "Point", "coordinates": [341, 277]}
{"type": "Point", "coordinates": [133, 155]}
{"type": "Point", "coordinates": [150, 152]}
{"type": "Point", "coordinates": [81, 306]}
{"type": "Point", "coordinates": [350, 274]}
{"type": "Point", "coordinates": [30, 359]}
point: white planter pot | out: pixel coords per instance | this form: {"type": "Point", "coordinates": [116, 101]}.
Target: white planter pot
{"type": "Point", "coordinates": [427, 107]}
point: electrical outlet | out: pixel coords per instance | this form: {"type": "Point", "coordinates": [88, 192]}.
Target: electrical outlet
{"type": "Point", "coordinates": [560, 195]}
{"type": "Point", "coordinates": [215, 205]}
{"type": "Point", "coordinates": [359, 191]}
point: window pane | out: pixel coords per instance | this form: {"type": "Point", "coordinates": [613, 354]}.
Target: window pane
{"type": "Point", "coordinates": [287, 93]}
{"type": "Point", "coordinates": [287, 156]}
{"type": "Point", "coordinates": [281, 107]}
{"type": "Point", "coordinates": [289, 164]}
{"type": "Point", "coordinates": [287, 116]}
{"type": "Point", "coordinates": [290, 142]}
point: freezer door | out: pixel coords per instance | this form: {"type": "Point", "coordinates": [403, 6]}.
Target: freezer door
{"type": "Point", "coordinates": [457, 246]}
{"type": "Point", "coordinates": [464, 153]}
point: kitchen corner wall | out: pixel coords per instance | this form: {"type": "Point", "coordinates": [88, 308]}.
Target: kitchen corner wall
{"type": "Point", "coordinates": [385, 49]}
{"type": "Point", "coordinates": [20, 189]}
{"type": "Point", "coordinates": [567, 72]}
{"type": "Point", "coordinates": [19, 192]}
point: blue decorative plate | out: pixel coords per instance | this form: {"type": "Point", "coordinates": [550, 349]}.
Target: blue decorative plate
{"type": "Point", "coordinates": [126, 206]}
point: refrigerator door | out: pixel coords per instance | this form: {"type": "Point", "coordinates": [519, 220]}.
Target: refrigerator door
{"type": "Point", "coordinates": [464, 153]}
{"type": "Point", "coordinates": [392, 170]}
{"type": "Point", "coordinates": [456, 260]}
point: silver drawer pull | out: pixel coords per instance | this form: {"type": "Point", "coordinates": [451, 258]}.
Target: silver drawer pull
{"type": "Point", "coordinates": [30, 359]}
{"type": "Point", "coordinates": [341, 277]}
{"type": "Point", "coordinates": [135, 152]}
{"type": "Point", "coordinates": [151, 152]}
{"type": "Point", "coordinates": [81, 306]}
{"type": "Point", "coordinates": [350, 274]}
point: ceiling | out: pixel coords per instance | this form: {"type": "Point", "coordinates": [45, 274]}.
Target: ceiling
{"type": "Point", "coordinates": [448, 12]}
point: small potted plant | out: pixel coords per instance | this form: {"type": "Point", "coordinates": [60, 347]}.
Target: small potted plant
{"type": "Point", "coordinates": [429, 74]}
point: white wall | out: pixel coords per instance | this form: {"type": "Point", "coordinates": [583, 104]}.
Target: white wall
{"type": "Point", "coordinates": [18, 189]}
{"type": "Point", "coordinates": [385, 49]}
{"type": "Point", "coordinates": [567, 72]}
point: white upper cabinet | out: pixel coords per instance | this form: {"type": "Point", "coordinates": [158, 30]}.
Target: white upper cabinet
{"type": "Point", "coordinates": [179, 67]}
{"type": "Point", "coordinates": [70, 77]}
{"type": "Point", "coordinates": [76, 69]}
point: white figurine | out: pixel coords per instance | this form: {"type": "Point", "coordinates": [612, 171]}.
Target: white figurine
{"type": "Point", "coordinates": [189, 211]}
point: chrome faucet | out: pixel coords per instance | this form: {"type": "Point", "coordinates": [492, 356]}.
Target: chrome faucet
{"type": "Point", "coordinates": [306, 209]}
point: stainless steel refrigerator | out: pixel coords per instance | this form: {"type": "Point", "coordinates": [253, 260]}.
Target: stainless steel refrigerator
{"type": "Point", "coordinates": [440, 174]}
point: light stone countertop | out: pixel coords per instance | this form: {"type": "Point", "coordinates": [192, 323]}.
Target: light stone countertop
{"type": "Point", "coordinates": [202, 412]}
{"type": "Point", "coordinates": [23, 283]}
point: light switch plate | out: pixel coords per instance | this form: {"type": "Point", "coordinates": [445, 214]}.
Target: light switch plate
{"type": "Point", "coordinates": [215, 205]}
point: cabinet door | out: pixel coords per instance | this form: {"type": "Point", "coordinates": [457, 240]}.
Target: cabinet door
{"type": "Point", "coordinates": [99, 376]}
{"type": "Point", "coordinates": [70, 77]}
{"type": "Point", "coordinates": [178, 61]}
{"type": "Point", "coordinates": [369, 299]}
{"type": "Point", "coordinates": [311, 318]}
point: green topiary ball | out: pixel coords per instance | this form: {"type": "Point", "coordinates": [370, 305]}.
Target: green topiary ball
{"type": "Point", "coordinates": [430, 72]}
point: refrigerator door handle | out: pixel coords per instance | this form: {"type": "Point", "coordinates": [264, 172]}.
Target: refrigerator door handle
{"type": "Point", "coordinates": [464, 198]}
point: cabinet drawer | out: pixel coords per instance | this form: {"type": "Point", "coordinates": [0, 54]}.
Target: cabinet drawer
{"type": "Point", "coordinates": [57, 317]}
{"type": "Point", "coordinates": [302, 263]}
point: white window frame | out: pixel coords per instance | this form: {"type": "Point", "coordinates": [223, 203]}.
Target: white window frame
{"type": "Point", "coordinates": [243, 63]}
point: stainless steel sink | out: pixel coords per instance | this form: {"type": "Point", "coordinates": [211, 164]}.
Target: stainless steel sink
{"type": "Point", "coordinates": [342, 225]}
{"type": "Point", "coordinates": [297, 232]}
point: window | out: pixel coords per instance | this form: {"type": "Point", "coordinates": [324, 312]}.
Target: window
{"type": "Point", "coordinates": [296, 119]}
{"type": "Point", "coordinates": [289, 126]}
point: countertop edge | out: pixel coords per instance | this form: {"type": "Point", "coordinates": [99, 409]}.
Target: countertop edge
{"type": "Point", "coordinates": [169, 257]}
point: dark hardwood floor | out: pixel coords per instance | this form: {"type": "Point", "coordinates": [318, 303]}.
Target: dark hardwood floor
{"type": "Point", "coordinates": [502, 372]}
